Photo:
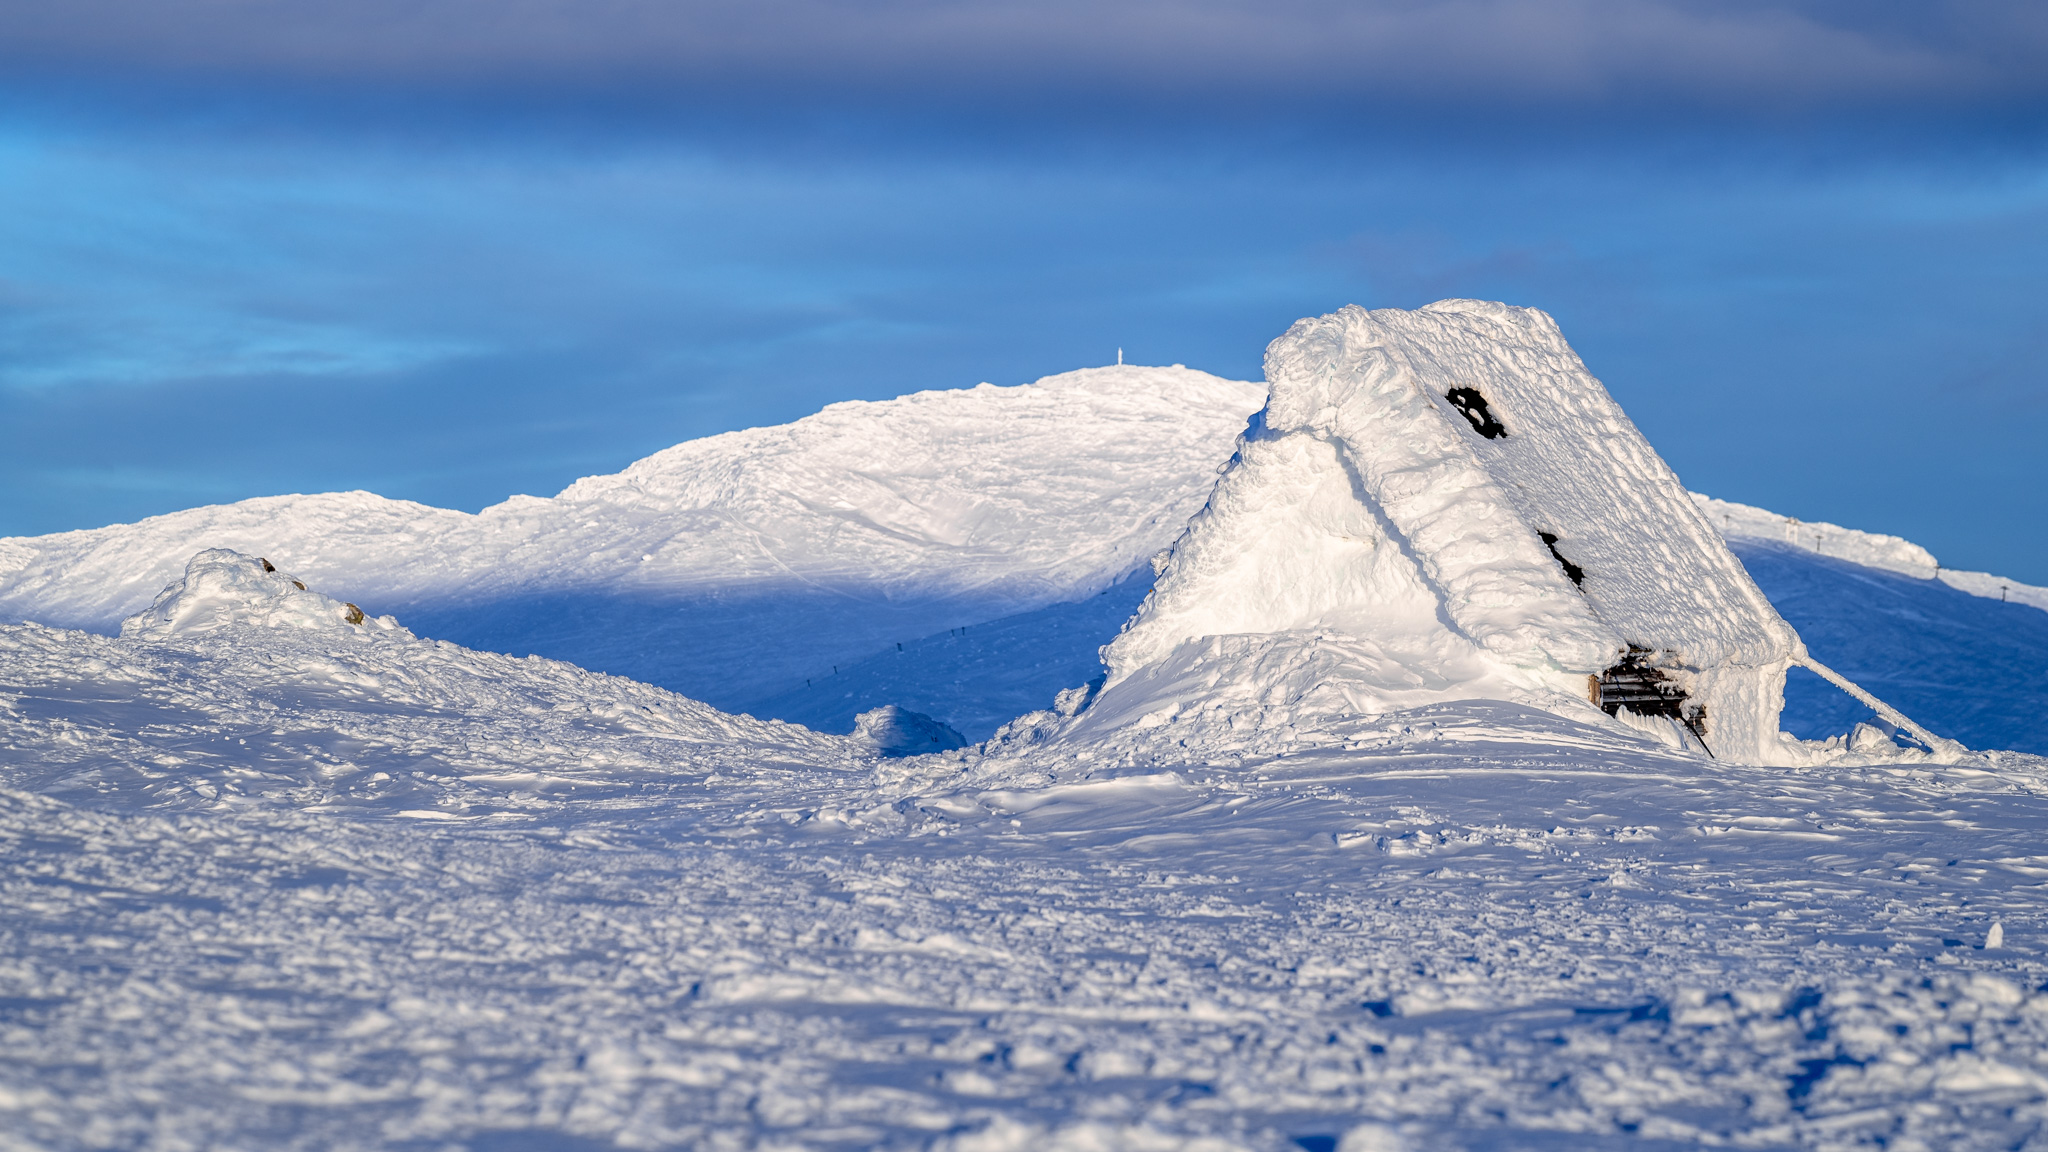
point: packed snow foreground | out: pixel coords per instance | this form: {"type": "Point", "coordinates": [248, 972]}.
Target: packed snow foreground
{"type": "Point", "coordinates": [1434, 797]}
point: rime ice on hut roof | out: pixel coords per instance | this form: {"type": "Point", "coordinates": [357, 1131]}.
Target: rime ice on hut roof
{"type": "Point", "coordinates": [1445, 504]}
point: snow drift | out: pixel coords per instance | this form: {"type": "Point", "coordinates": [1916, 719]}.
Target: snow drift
{"type": "Point", "coordinates": [1444, 504]}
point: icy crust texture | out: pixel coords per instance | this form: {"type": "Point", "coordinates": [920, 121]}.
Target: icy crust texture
{"type": "Point", "coordinates": [1364, 512]}
{"type": "Point", "coordinates": [222, 588]}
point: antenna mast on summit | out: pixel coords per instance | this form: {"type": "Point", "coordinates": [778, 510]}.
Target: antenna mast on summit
{"type": "Point", "coordinates": [1119, 357]}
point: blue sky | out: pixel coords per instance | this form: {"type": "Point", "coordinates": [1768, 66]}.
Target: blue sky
{"type": "Point", "coordinates": [452, 259]}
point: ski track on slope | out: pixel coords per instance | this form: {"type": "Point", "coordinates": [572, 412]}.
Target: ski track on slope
{"type": "Point", "coordinates": [282, 890]}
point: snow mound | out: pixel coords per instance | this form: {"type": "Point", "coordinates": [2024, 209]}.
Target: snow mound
{"type": "Point", "coordinates": [1444, 504]}
{"type": "Point", "coordinates": [375, 550]}
{"type": "Point", "coordinates": [897, 731]}
{"type": "Point", "coordinates": [292, 714]}
{"type": "Point", "coordinates": [222, 587]}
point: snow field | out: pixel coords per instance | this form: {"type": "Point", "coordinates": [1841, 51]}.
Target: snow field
{"type": "Point", "coordinates": [278, 889]}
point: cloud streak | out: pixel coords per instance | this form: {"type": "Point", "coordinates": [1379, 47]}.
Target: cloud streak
{"type": "Point", "coordinates": [1458, 52]}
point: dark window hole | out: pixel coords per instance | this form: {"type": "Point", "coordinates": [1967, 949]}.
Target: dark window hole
{"type": "Point", "coordinates": [1634, 684]}
{"type": "Point", "coordinates": [1573, 572]}
{"type": "Point", "coordinates": [1472, 406]}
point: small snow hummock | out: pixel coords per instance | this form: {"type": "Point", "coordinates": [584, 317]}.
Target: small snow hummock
{"type": "Point", "coordinates": [222, 587]}
{"type": "Point", "coordinates": [897, 731]}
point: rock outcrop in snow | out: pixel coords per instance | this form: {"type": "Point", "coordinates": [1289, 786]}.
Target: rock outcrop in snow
{"type": "Point", "coordinates": [1444, 504]}
{"type": "Point", "coordinates": [223, 588]}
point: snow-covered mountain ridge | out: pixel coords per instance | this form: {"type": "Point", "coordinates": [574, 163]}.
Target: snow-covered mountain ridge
{"type": "Point", "coordinates": [1042, 484]}
{"type": "Point", "coordinates": [1037, 491]}
{"type": "Point", "coordinates": [956, 552]}
{"type": "Point", "coordinates": [1868, 549]}
{"type": "Point", "coordinates": [736, 566]}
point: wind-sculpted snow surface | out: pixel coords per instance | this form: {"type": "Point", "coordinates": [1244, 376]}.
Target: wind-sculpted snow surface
{"type": "Point", "coordinates": [736, 567]}
{"type": "Point", "coordinates": [278, 888]}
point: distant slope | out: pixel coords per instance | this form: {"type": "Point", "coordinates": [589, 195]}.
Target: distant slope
{"type": "Point", "coordinates": [734, 567]}
{"type": "Point", "coordinates": [1965, 653]}
{"type": "Point", "coordinates": [977, 677]}
{"type": "Point", "coordinates": [1968, 667]}
{"type": "Point", "coordinates": [1867, 549]}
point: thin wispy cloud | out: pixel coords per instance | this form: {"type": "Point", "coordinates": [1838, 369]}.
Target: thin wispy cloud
{"type": "Point", "coordinates": [1463, 52]}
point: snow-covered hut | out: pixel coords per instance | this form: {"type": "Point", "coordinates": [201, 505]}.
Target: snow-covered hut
{"type": "Point", "coordinates": [1445, 504]}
